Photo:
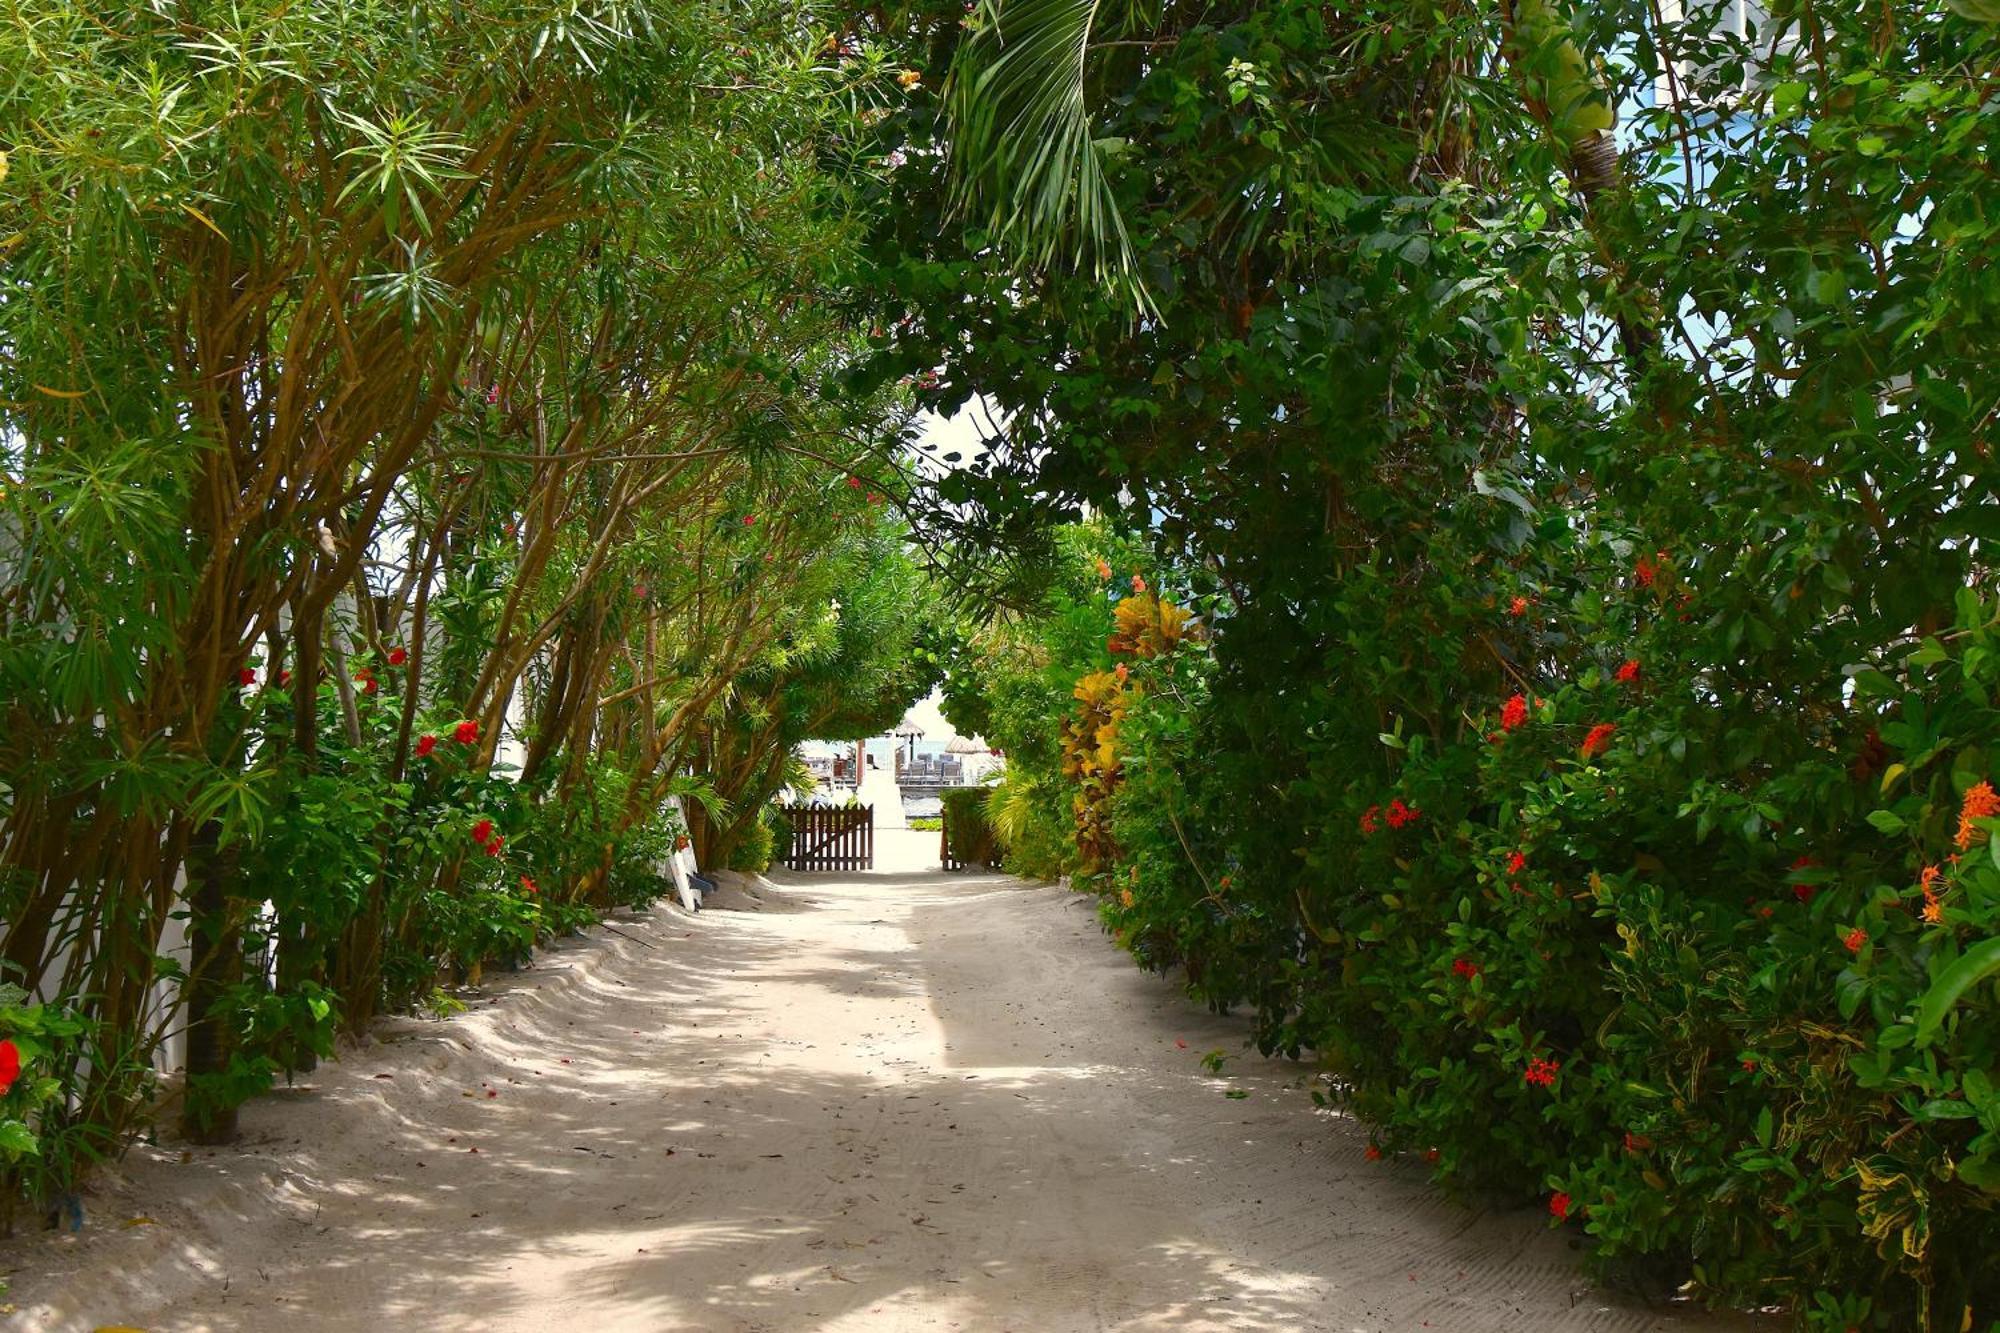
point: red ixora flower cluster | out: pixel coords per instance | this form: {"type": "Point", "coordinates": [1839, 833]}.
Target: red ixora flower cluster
{"type": "Point", "coordinates": [466, 733]}
{"type": "Point", "coordinates": [365, 678]}
{"type": "Point", "coordinates": [1628, 672]}
{"type": "Point", "coordinates": [529, 885]}
{"type": "Point", "coordinates": [1647, 568]}
{"type": "Point", "coordinates": [398, 656]}
{"type": "Point", "coordinates": [1514, 713]}
{"type": "Point", "coordinates": [247, 676]}
{"type": "Point", "coordinates": [1399, 815]}
{"type": "Point", "coordinates": [1372, 1153]}
{"type": "Point", "coordinates": [1855, 939]}
{"type": "Point", "coordinates": [1466, 968]}
{"type": "Point", "coordinates": [425, 744]}
{"type": "Point", "coordinates": [1598, 739]}
{"type": "Point", "coordinates": [1804, 892]}
{"type": "Point", "coordinates": [10, 1065]}
{"type": "Point", "coordinates": [1559, 1206]}
{"type": "Point", "coordinates": [1518, 607]}
{"type": "Point", "coordinates": [1541, 1073]}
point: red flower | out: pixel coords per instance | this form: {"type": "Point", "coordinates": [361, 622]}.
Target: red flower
{"type": "Point", "coordinates": [366, 682]}
{"type": "Point", "coordinates": [1432, 1155]}
{"type": "Point", "coordinates": [1372, 1153]}
{"type": "Point", "coordinates": [398, 656]}
{"type": "Point", "coordinates": [284, 678]}
{"type": "Point", "coordinates": [1123, 672]}
{"type": "Point", "coordinates": [1599, 739]}
{"type": "Point", "coordinates": [1644, 571]}
{"type": "Point", "coordinates": [1518, 607]}
{"type": "Point", "coordinates": [1371, 819]}
{"type": "Point", "coordinates": [1804, 892]}
{"type": "Point", "coordinates": [1749, 1063]}
{"type": "Point", "coordinates": [247, 676]}
{"type": "Point", "coordinates": [466, 733]}
{"type": "Point", "coordinates": [854, 483]}
{"type": "Point", "coordinates": [1138, 584]}
{"type": "Point", "coordinates": [1517, 862]}
{"type": "Point", "coordinates": [1466, 968]}
{"type": "Point", "coordinates": [1559, 1206]}
{"type": "Point", "coordinates": [425, 744]}
{"type": "Point", "coordinates": [529, 885]}
{"type": "Point", "coordinates": [1627, 674]}
{"type": "Point", "coordinates": [1513, 713]}
{"type": "Point", "coordinates": [1400, 814]}
{"type": "Point", "coordinates": [749, 520]}
{"type": "Point", "coordinates": [10, 1065]}
{"type": "Point", "coordinates": [1541, 1073]}
{"type": "Point", "coordinates": [639, 590]}
{"type": "Point", "coordinates": [874, 498]}
{"type": "Point", "coordinates": [482, 831]}
{"type": "Point", "coordinates": [1855, 939]}
{"type": "Point", "coordinates": [493, 847]}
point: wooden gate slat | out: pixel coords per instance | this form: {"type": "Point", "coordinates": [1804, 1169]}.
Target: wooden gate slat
{"type": "Point", "coordinates": [831, 838]}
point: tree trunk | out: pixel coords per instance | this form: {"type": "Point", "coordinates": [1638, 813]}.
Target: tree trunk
{"type": "Point", "coordinates": [215, 935]}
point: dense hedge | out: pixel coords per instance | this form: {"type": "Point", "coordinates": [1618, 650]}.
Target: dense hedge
{"type": "Point", "coordinates": [966, 827]}
{"type": "Point", "coordinates": [1596, 567]}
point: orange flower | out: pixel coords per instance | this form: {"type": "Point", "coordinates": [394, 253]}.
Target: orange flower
{"type": "Point", "coordinates": [1598, 740]}
{"type": "Point", "coordinates": [1518, 607]}
{"type": "Point", "coordinates": [1104, 571]}
{"type": "Point", "coordinates": [1513, 713]}
{"type": "Point", "coordinates": [1981, 802]}
{"type": "Point", "coordinates": [1855, 939]}
{"type": "Point", "coordinates": [1933, 909]}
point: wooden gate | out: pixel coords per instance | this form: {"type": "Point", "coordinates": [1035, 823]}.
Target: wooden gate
{"type": "Point", "coordinates": [826, 837]}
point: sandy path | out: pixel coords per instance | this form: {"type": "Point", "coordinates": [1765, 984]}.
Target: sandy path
{"type": "Point", "coordinates": [890, 1102]}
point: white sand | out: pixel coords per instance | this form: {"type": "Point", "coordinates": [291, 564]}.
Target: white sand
{"type": "Point", "coordinates": [883, 1103]}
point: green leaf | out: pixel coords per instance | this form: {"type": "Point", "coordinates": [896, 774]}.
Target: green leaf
{"type": "Point", "coordinates": [1978, 963]}
{"type": "Point", "coordinates": [17, 1140]}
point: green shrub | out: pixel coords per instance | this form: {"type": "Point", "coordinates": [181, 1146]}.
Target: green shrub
{"type": "Point", "coordinates": [753, 853]}
{"type": "Point", "coordinates": [966, 827]}
{"type": "Point", "coordinates": [781, 835]}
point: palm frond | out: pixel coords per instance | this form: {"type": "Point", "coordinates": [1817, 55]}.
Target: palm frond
{"type": "Point", "coordinates": [1023, 160]}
